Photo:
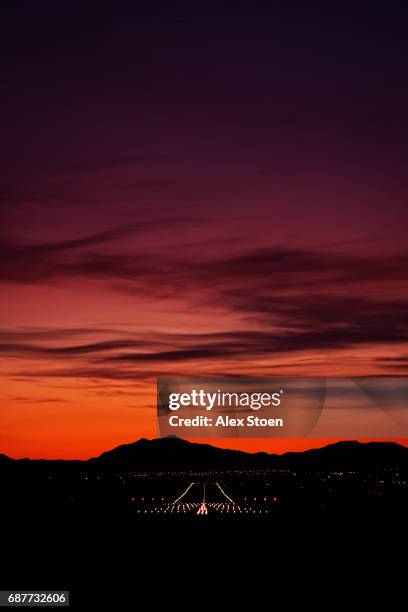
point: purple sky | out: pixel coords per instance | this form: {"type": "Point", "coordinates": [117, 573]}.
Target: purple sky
{"type": "Point", "coordinates": [190, 191]}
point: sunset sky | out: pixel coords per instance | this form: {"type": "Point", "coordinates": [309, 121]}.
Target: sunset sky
{"type": "Point", "coordinates": [189, 192]}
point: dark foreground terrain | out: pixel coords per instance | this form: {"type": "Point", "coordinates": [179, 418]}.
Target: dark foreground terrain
{"type": "Point", "coordinates": [172, 479]}
{"type": "Point", "coordinates": [155, 504]}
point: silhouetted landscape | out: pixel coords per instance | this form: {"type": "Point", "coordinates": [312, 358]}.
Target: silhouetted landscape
{"type": "Point", "coordinates": [173, 479]}
{"type": "Point", "coordinates": [61, 518]}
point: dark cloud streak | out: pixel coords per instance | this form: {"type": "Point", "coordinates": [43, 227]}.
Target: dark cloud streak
{"type": "Point", "coordinates": [289, 299]}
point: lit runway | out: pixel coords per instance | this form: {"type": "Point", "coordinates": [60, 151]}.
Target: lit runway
{"type": "Point", "coordinates": [202, 499]}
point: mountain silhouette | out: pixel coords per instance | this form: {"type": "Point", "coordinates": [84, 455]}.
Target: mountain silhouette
{"type": "Point", "coordinates": [349, 455]}
{"type": "Point", "coordinates": [164, 454]}
{"type": "Point", "coordinates": [175, 454]}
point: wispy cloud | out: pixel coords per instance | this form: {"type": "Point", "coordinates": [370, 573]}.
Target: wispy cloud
{"type": "Point", "coordinates": [37, 400]}
{"type": "Point", "coordinates": [277, 301]}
